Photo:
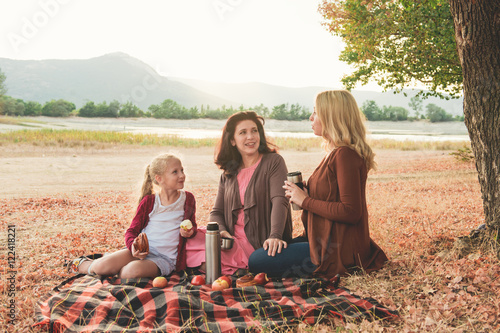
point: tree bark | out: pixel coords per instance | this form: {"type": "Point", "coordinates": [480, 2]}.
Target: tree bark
{"type": "Point", "coordinates": [477, 33]}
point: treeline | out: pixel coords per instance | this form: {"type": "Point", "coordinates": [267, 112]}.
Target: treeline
{"type": "Point", "coordinates": [170, 109]}
{"type": "Point", "coordinates": [167, 109]}
{"type": "Point", "coordinates": [433, 112]}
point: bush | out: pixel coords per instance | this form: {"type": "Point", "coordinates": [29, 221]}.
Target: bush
{"type": "Point", "coordinates": [464, 154]}
{"type": "Point", "coordinates": [59, 108]}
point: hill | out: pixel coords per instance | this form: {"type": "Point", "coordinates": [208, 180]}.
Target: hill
{"type": "Point", "coordinates": [118, 76]}
{"type": "Point", "coordinates": [115, 76]}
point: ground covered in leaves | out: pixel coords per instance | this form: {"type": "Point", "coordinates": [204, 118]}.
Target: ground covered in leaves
{"type": "Point", "coordinates": [420, 203]}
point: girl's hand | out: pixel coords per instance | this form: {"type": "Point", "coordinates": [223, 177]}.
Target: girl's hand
{"type": "Point", "coordinates": [186, 234]}
{"type": "Point", "coordinates": [273, 245]}
{"type": "Point", "coordinates": [294, 193]}
{"type": "Point", "coordinates": [225, 234]}
{"type": "Point", "coordinates": [137, 254]}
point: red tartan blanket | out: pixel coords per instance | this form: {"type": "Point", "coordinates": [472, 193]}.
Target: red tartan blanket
{"type": "Point", "coordinates": [89, 304]}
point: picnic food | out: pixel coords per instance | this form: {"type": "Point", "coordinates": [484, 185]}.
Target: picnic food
{"type": "Point", "coordinates": [227, 279]}
{"type": "Point", "coordinates": [198, 280]}
{"type": "Point", "coordinates": [141, 243]}
{"type": "Point", "coordinates": [160, 282]}
{"type": "Point", "coordinates": [186, 225]}
{"type": "Point", "coordinates": [220, 284]}
{"type": "Point", "coordinates": [246, 281]}
{"type": "Point", "coordinates": [261, 278]}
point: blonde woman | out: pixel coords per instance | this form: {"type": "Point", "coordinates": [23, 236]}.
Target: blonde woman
{"type": "Point", "coordinates": [335, 215]}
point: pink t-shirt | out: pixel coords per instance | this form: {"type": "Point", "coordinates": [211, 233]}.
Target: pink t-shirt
{"type": "Point", "coordinates": [237, 257]}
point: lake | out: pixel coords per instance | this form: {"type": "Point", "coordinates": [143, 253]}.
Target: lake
{"type": "Point", "coordinates": [210, 128]}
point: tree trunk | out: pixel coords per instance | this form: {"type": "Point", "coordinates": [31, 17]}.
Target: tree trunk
{"type": "Point", "coordinates": [477, 33]}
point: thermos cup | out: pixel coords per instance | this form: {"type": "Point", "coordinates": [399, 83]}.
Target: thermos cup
{"type": "Point", "coordinates": [212, 252]}
{"type": "Point", "coordinates": [295, 177]}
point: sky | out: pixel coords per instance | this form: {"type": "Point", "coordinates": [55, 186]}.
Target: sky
{"type": "Point", "coordinates": [279, 42]}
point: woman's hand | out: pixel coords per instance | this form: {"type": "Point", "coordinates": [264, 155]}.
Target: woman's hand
{"type": "Point", "coordinates": [185, 233]}
{"type": "Point", "coordinates": [225, 234]}
{"type": "Point", "coordinates": [137, 254]}
{"type": "Point", "coordinates": [273, 245]}
{"type": "Point", "coordinates": [295, 193]}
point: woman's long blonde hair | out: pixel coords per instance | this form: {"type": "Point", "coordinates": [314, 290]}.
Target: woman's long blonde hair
{"type": "Point", "coordinates": [343, 124]}
{"type": "Point", "coordinates": [157, 167]}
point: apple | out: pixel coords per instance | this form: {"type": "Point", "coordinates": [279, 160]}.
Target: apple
{"type": "Point", "coordinates": [220, 284]}
{"type": "Point", "coordinates": [261, 278]}
{"type": "Point", "coordinates": [186, 225]}
{"type": "Point", "coordinates": [227, 279]}
{"type": "Point", "coordinates": [160, 282]}
{"type": "Point", "coordinates": [198, 280]}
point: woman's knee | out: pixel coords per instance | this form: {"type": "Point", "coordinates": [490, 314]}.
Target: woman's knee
{"type": "Point", "coordinates": [293, 261]}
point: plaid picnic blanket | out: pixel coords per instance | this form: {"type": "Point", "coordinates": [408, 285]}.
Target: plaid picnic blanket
{"type": "Point", "coordinates": [95, 304]}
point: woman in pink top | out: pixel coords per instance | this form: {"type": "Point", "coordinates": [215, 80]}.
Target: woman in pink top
{"type": "Point", "coordinates": [251, 205]}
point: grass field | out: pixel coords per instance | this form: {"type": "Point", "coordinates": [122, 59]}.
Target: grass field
{"type": "Point", "coordinates": [86, 138]}
{"type": "Point", "coordinates": [421, 199]}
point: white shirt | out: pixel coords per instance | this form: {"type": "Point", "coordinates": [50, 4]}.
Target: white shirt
{"type": "Point", "coordinates": [163, 228]}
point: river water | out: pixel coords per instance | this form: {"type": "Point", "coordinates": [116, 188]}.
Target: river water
{"type": "Point", "coordinates": [209, 128]}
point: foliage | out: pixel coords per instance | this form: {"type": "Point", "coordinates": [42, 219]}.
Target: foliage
{"type": "Point", "coordinates": [435, 113]}
{"type": "Point", "coordinates": [374, 113]}
{"type": "Point", "coordinates": [100, 110]}
{"type": "Point", "coordinates": [171, 109]}
{"type": "Point", "coordinates": [416, 104]}
{"type": "Point", "coordinates": [11, 107]}
{"type": "Point", "coordinates": [3, 88]}
{"type": "Point", "coordinates": [261, 110]}
{"type": "Point", "coordinates": [292, 112]}
{"type": "Point", "coordinates": [59, 108]}
{"type": "Point", "coordinates": [220, 113]}
{"type": "Point", "coordinates": [371, 110]}
{"type": "Point", "coordinates": [131, 110]}
{"type": "Point", "coordinates": [397, 43]}
{"type": "Point", "coordinates": [464, 154]}
{"type": "Point", "coordinates": [395, 113]}
{"type": "Point", "coordinates": [32, 108]}
{"type": "Point", "coordinates": [88, 110]}
{"type": "Point", "coordinates": [113, 110]}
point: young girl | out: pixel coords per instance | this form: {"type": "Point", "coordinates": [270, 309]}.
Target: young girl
{"type": "Point", "coordinates": [159, 216]}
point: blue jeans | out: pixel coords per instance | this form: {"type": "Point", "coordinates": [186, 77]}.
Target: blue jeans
{"type": "Point", "coordinates": [294, 261]}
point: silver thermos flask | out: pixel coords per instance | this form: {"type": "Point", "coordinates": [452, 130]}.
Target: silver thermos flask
{"type": "Point", "coordinates": [212, 252]}
{"type": "Point", "coordinates": [295, 177]}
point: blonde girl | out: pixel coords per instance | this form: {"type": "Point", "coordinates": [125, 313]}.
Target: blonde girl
{"type": "Point", "coordinates": [159, 215]}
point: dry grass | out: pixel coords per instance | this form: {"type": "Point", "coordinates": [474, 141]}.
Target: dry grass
{"type": "Point", "coordinates": [99, 140]}
{"type": "Point", "coordinates": [419, 205]}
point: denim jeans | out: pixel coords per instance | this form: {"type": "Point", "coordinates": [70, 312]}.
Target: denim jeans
{"type": "Point", "coordinates": [294, 261]}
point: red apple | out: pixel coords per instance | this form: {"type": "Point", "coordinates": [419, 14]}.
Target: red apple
{"type": "Point", "coordinates": [227, 279]}
{"type": "Point", "coordinates": [220, 284]}
{"type": "Point", "coordinates": [198, 280]}
{"type": "Point", "coordinates": [160, 282]}
{"type": "Point", "coordinates": [261, 278]}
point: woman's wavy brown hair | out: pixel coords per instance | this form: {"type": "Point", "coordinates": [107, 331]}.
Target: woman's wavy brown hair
{"type": "Point", "coordinates": [227, 156]}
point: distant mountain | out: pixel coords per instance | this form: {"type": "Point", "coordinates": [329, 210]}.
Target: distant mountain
{"type": "Point", "coordinates": [254, 93]}
{"type": "Point", "coordinates": [115, 76]}
{"type": "Point", "coordinates": [118, 76]}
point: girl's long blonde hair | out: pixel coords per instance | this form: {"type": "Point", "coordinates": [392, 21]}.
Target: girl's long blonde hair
{"type": "Point", "coordinates": [343, 124]}
{"type": "Point", "coordinates": [157, 167]}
